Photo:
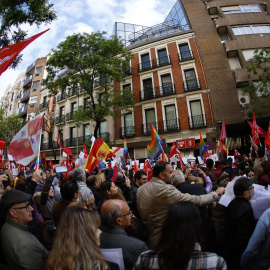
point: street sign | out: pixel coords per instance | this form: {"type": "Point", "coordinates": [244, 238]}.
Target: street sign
{"type": "Point", "coordinates": [210, 145]}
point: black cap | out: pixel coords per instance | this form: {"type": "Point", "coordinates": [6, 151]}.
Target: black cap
{"type": "Point", "coordinates": [241, 185]}
{"type": "Point", "coordinates": [12, 197]}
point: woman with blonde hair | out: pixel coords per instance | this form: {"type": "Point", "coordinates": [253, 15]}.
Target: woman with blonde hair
{"type": "Point", "coordinates": [76, 244]}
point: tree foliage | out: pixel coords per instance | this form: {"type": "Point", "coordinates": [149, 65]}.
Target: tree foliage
{"type": "Point", "coordinates": [259, 90]}
{"type": "Point", "coordinates": [91, 63]}
{"type": "Point", "coordinates": [9, 126]}
{"type": "Point", "coordinates": [15, 13]}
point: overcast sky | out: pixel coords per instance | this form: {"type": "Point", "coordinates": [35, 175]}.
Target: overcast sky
{"type": "Point", "coordinates": [86, 16]}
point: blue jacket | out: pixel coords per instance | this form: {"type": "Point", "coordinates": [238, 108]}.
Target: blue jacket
{"type": "Point", "coordinates": [257, 253]}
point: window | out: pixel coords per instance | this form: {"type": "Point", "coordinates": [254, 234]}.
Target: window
{"type": "Point", "coordinates": [62, 111]}
{"type": "Point", "coordinates": [86, 132]}
{"type": "Point", "coordinates": [251, 29]}
{"type": "Point", "coordinates": [103, 127]}
{"type": "Point", "coordinates": [248, 54]}
{"type": "Point", "coordinates": [61, 136]}
{"type": "Point", "coordinates": [163, 57]}
{"type": "Point", "coordinates": [10, 107]}
{"type": "Point", "coordinates": [185, 53]}
{"type": "Point", "coordinates": [86, 103]}
{"type": "Point", "coordinates": [33, 100]}
{"type": "Point", "coordinates": [234, 63]}
{"type": "Point", "coordinates": [197, 118]}
{"type": "Point", "coordinates": [72, 133]}
{"type": "Point", "coordinates": [44, 99]}
{"type": "Point", "coordinates": [147, 88]}
{"type": "Point", "coordinates": [167, 87]}
{"type": "Point", "coordinates": [128, 124]}
{"type": "Point", "coordinates": [191, 83]}
{"type": "Point", "coordinates": [38, 70]}
{"type": "Point", "coordinates": [224, 37]}
{"type": "Point", "coordinates": [146, 64]}
{"type": "Point", "coordinates": [73, 107]}
{"type": "Point", "coordinates": [241, 9]}
{"type": "Point", "coordinates": [171, 122]}
{"type": "Point", "coordinates": [150, 117]}
{"type": "Point", "coordinates": [35, 84]}
{"type": "Point", "coordinates": [127, 93]}
{"type": "Point", "coordinates": [12, 96]}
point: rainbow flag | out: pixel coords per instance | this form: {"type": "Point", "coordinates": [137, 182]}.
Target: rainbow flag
{"type": "Point", "coordinates": [125, 157]}
{"type": "Point", "coordinates": [35, 162]}
{"type": "Point", "coordinates": [203, 149]}
{"type": "Point", "coordinates": [154, 149]}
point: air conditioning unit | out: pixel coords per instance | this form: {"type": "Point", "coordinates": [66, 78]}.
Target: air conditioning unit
{"type": "Point", "coordinates": [243, 98]}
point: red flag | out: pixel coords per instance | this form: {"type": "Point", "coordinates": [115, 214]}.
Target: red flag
{"type": "Point", "coordinates": [267, 137]}
{"type": "Point", "coordinates": [181, 160]}
{"type": "Point", "coordinates": [233, 165]}
{"type": "Point", "coordinates": [174, 150]}
{"type": "Point", "coordinates": [24, 147]}
{"type": "Point", "coordinates": [237, 154]}
{"type": "Point", "coordinates": [85, 151]}
{"type": "Point", "coordinates": [2, 146]}
{"type": "Point", "coordinates": [7, 54]}
{"type": "Point", "coordinates": [69, 167]}
{"type": "Point", "coordinates": [135, 169]}
{"type": "Point", "coordinates": [66, 150]}
{"type": "Point", "coordinates": [148, 169]}
{"type": "Point", "coordinates": [195, 165]}
{"type": "Point", "coordinates": [51, 164]}
{"type": "Point", "coordinates": [43, 159]}
{"type": "Point", "coordinates": [223, 136]}
{"type": "Point", "coordinates": [256, 130]}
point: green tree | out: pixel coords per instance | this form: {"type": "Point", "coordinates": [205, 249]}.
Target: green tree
{"type": "Point", "coordinates": [9, 126]}
{"type": "Point", "coordinates": [91, 63]}
{"type": "Point", "coordinates": [15, 13]}
{"type": "Point", "coordinates": [259, 69]}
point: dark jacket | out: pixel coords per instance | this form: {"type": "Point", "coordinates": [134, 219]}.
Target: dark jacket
{"type": "Point", "coordinates": [208, 231]}
{"type": "Point", "coordinates": [58, 209]}
{"type": "Point", "coordinates": [118, 238]}
{"type": "Point", "coordinates": [240, 224]}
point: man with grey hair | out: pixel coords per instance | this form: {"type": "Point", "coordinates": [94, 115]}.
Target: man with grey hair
{"type": "Point", "coordinates": [79, 175]}
{"type": "Point", "coordinates": [115, 218]}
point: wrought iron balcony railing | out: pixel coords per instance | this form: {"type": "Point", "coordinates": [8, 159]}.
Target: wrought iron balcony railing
{"type": "Point", "coordinates": [160, 91]}
{"type": "Point", "coordinates": [128, 72]}
{"type": "Point", "coordinates": [185, 56]}
{"type": "Point", "coordinates": [147, 65]}
{"type": "Point", "coordinates": [161, 126]}
{"type": "Point", "coordinates": [197, 121]}
{"type": "Point", "coordinates": [69, 116]}
{"type": "Point", "coordinates": [61, 97]}
{"type": "Point", "coordinates": [191, 85]}
{"type": "Point", "coordinates": [105, 136]}
{"type": "Point", "coordinates": [43, 105]}
{"type": "Point", "coordinates": [59, 119]}
{"type": "Point", "coordinates": [127, 132]}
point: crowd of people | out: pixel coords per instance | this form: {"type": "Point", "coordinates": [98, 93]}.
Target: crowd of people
{"type": "Point", "coordinates": [171, 221]}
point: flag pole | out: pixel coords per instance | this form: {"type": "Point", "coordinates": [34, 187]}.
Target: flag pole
{"type": "Point", "coordinates": [40, 140]}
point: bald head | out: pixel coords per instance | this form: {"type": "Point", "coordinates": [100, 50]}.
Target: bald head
{"type": "Point", "coordinates": [113, 213]}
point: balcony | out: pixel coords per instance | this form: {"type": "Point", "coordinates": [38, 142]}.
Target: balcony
{"type": "Point", "coordinates": [160, 91]}
{"type": "Point", "coordinates": [164, 126]}
{"type": "Point", "coordinates": [23, 110]}
{"type": "Point", "coordinates": [43, 105]}
{"type": "Point", "coordinates": [127, 132]}
{"type": "Point", "coordinates": [197, 121]}
{"type": "Point", "coordinates": [31, 68]}
{"type": "Point", "coordinates": [81, 140]}
{"type": "Point", "coordinates": [69, 116]}
{"type": "Point", "coordinates": [48, 146]}
{"type": "Point", "coordinates": [73, 92]}
{"type": "Point", "coordinates": [59, 119]}
{"type": "Point", "coordinates": [128, 72]}
{"type": "Point", "coordinates": [71, 142]}
{"type": "Point", "coordinates": [61, 97]}
{"type": "Point", "coordinates": [185, 56]}
{"type": "Point", "coordinates": [191, 85]}
{"type": "Point", "coordinates": [105, 136]}
{"type": "Point", "coordinates": [25, 95]}
{"type": "Point", "coordinates": [27, 81]}
{"type": "Point", "coordinates": [159, 62]}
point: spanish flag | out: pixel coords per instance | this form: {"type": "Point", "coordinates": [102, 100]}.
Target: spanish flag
{"type": "Point", "coordinates": [224, 148]}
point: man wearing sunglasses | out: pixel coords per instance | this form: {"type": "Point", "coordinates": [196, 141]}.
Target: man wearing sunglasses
{"type": "Point", "coordinates": [22, 249]}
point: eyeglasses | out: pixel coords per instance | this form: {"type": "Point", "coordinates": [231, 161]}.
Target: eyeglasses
{"type": "Point", "coordinates": [250, 188]}
{"type": "Point", "coordinates": [144, 179]}
{"type": "Point", "coordinates": [26, 207]}
{"type": "Point", "coordinates": [129, 213]}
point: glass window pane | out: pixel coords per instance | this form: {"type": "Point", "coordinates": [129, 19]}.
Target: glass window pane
{"type": "Point", "coordinates": [170, 112]}
{"type": "Point", "coordinates": [195, 107]}
{"type": "Point", "coordinates": [128, 120]}
{"type": "Point", "coordinates": [150, 116]}
{"type": "Point", "coordinates": [236, 31]}
{"type": "Point", "coordinates": [86, 130]}
{"type": "Point", "coordinates": [103, 127]}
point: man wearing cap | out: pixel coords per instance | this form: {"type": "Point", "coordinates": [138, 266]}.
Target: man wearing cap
{"type": "Point", "coordinates": [240, 222]}
{"type": "Point", "coordinates": [22, 249]}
